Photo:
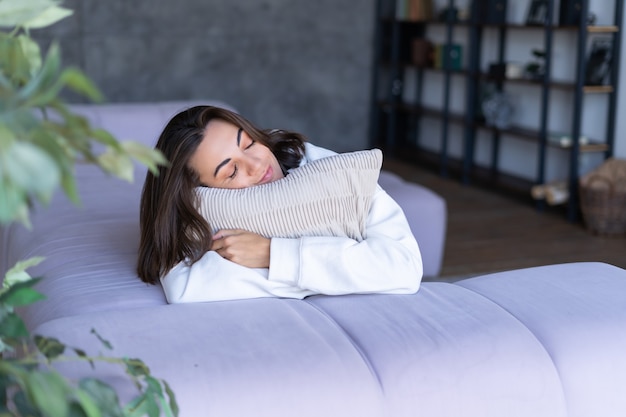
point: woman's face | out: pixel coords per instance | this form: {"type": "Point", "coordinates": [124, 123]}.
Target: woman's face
{"type": "Point", "coordinates": [228, 158]}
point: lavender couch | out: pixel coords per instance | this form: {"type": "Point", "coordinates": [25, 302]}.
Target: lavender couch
{"type": "Point", "coordinates": [547, 341]}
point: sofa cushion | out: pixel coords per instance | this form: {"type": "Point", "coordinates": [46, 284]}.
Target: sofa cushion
{"type": "Point", "coordinates": [327, 197]}
{"type": "Point", "coordinates": [577, 311]}
{"type": "Point", "coordinates": [444, 351]}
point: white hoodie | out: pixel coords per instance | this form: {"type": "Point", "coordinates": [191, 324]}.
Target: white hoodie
{"type": "Point", "coordinates": [388, 261]}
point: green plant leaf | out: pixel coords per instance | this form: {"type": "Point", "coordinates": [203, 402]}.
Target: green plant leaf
{"type": "Point", "coordinates": [4, 383]}
{"type": "Point", "coordinates": [154, 386]}
{"type": "Point", "coordinates": [84, 406]}
{"type": "Point", "coordinates": [117, 163]}
{"type": "Point", "coordinates": [83, 355]}
{"type": "Point", "coordinates": [13, 327]}
{"type": "Point", "coordinates": [138, 407]}
{"type": "Point", "coordinates": [13, 205]}
{"type": "Point", "coordinates": [102, 340]}
{"type": "Point", "coordinates": [12, 295]}
{"type": "Point", "coordinates": [142, 405]}
{"type": "Point", "coordinates": [48, 17]}
{"type": "Point", "coordinates": [106, 138]}
{"type": "Point", "coordinates": [78, 82]}
{"type": "Point", "coordinates": [16, 12]}
{"type": "Point", "coordinates": [31, 170]}
{"type": "Point", "coordinates": [68, 183]}
{"type": "Point", "coordinates": [44, 85]}
{"type": "Point", "coordinates": [172, 404]}
{"type": "Point", "coordinates": [48, 391]}
{"type": "Point", "coordinates": [31, 52]}
{"type": "Point", "coordinates": [4, 347]}
{"type": "Point", "coordinates": [145, 155]}
{"type": "Point", "coordinates": [49, 346]}
{"type": "Point", "coordinates": [14, 63]}
{"type": "Point", "coordinates": [24, 406]}
{"type": "Point", "coordinates": [136, 367]}
{"type": "Point", "coordinates": [76, 409]}
{"type": "Point", "coordinates": [103, 396]}
{"type": "Point", "coordinates": [153, 407]}
{"type": "Point", "coordinates": [18, 272]}
{"type": "Point", "coordinates": [21, 296]}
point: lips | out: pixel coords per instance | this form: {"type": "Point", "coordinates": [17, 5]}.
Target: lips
{"type": "Point", "coordinates": [267, 177]}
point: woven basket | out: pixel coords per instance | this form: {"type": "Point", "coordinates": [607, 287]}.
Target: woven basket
{"type": "Point", "coordinates": [603, 198]}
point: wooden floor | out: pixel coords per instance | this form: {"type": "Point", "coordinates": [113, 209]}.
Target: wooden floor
{"type": "Point", "coordinates": [489, 231]}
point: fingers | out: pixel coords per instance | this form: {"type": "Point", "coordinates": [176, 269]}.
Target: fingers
{"type": "Point", "coordinates": [228, 232]}
{"type": "Point", "coordinates": [223, 241]}
{"type": "Point", "coordinates": [242, 247]}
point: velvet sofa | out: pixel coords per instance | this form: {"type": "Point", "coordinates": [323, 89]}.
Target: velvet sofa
{"type": "Point", "coordinates": [546, 341]}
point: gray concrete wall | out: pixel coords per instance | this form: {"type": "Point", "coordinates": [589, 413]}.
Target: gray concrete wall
{"type": "Point", "coordinates": [294, 64]}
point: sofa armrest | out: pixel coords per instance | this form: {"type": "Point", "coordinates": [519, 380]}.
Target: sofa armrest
{"type": "Point", "coordinates": [426, 213]}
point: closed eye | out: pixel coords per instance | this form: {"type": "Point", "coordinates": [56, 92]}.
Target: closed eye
{"type": "Point", "coordinates": [234, 174]}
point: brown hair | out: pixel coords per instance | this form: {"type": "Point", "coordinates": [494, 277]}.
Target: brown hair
{"type": "Point", "coordinates": [172, 230]}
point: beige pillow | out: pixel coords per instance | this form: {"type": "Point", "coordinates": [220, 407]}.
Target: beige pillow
{"type": "Point", "coordinates": [327, 197]}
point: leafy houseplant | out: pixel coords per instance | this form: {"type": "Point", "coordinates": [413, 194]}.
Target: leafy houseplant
{"type": "Point", "coordinates": [41, 140]}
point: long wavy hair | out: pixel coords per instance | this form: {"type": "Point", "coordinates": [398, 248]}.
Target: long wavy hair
{"type": "Point", "coordinates": [172, 230]}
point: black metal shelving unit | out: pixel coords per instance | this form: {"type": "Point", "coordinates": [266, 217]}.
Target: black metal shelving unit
{"type": "Point", "coordinates": [395, 122]}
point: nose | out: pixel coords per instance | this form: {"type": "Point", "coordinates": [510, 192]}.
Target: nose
{"type": "Point", "coordinates": [254, 166]}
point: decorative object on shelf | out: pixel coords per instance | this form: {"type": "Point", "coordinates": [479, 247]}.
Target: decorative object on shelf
{"type": "Point", "coordinates": [497, 70]}
{"type": "Point", "coordinates": [554, 193]}
{"type": "Point", "coordinates": [514, 70]}
{"type": "Point", "coordinates": [491, 12]}
{"type": "Point", "coordinates": [603, 198]}
{"type": "Point", "coordinates": [454, 54]}
{"type": "Point", "coordinates": [498, 110]}
{"type": "Point", "coordinates": [414, 10]}
{"type": "Point", "coordinates": [422, 52]}
{"type": "Point", "coordinates": [446, 13]}
{"type": "Point", "coordinates": [463, 14]}
{"type": "Point", "coordinates": [598, 65]}
{"type": "Point", "coordinates": [569, 12]}
{"type": "Point", "coordinates": [564, 140]}
{"type": "Point", "coordinates": [537, 12]}
{"type": "Point", "coordinates": [506, 70]}
{"type": "Point", "coordinates": [536, 69]}
{"type": "Point", "coordinates": [591, 18]}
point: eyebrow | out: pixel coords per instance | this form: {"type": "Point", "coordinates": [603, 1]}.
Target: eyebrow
{"type": "Point", "coordinates": [227, 160]}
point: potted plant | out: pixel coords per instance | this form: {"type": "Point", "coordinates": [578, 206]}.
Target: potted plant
{"type": "Point", "coordinates": [41, 140]}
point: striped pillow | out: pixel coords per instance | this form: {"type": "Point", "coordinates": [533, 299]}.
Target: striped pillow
{"type": "Point", "coordinates": [327, 197]}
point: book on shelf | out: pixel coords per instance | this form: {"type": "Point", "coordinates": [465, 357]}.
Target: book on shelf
{"type": "Point", "coordinates": [414, 10]}
{"type": "Point", "coordinates": [454, 54]}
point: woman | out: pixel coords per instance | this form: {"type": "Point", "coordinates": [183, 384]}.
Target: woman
{"type": "Point", "coordinates": [214, 147]}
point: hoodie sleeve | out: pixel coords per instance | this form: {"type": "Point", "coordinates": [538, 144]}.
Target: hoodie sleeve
{"type": "Point", "coordinates": [388, 260]}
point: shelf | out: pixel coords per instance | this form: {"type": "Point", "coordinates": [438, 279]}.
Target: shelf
{"type": "Point", "coordinates": [399, 122]}
{"type": "Point", "coordinates": [531, 135]}
{"type": "Point", "coordinates": [415, 109]}
{"type": "Point", "coordinates": [562, 85]}
{"type": "Point", "coordinates": [520, 26]}
{"type": "Point", "coordinates": [512, 186]}
{"type": "Point", "coordinates": [409, 64]}
{"type": "Point", "coordinates": [602, 29]}
{"type": "Point", "coordinates": [597, 89]}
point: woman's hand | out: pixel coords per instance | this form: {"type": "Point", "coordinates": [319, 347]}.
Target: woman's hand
{"type": "Point", "coordinates": [242, 247]}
